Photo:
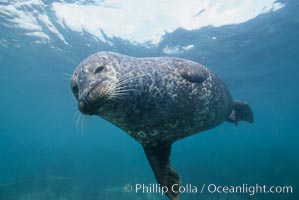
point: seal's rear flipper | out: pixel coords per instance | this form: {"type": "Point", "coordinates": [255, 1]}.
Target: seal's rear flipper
{"type": "Point", "coordinates": [158, 157]}
{"type": "Point", "coordinates": [241, 112]}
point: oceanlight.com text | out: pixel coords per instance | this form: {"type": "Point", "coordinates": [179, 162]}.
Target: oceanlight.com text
{"type": "Point", "coordinates": [208, 188]}
{"type": "Point", "coordinates": [249, 189]}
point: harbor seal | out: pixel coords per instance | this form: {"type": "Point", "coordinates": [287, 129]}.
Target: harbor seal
{"type": "Point", "coordinates": [157, 101]}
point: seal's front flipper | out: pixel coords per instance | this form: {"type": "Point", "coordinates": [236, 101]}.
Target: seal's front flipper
{"type": "Point", "coordinates": [193, 72]}
{"type": "Point", "coordinates": [241, 112]}
{"type": "Point", "coordinates": [158, 157]}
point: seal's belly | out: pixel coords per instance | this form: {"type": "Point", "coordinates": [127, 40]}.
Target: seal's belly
{"type": "Point", "coordinates": [171, 108]}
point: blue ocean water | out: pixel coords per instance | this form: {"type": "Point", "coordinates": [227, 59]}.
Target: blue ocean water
{"type": "Point", "coordinates": [43, 155]}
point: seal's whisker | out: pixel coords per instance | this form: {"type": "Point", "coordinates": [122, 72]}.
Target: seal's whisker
{"type": "Point", "coordinates": [124, 88]}
{"type": "Point", "coordinates": [123, 83]}
{"type": "Point", "coordinates": [82, 123]}
{"type": "Point", "coordinates": [120, 86]}
{"type": "Point", "coordinates": [75, 116]}
{"type": "Point", "coordinates": [117, 96]}
{"type": "Point", "coordinates": [120, 89]}
{"type": "Point", "coordinates": [131, 78]}
{"type": "Point", "coordinates": [111, 97]}
{"type": "Point", "coordinates": [69, 76]}
{"type": "Point", "coordinates": [123, 94]}
{"type": "Point", "coordinates": [117, 93]}
{"type": "Point", "coordinates": [126, 78]}
{"type": "Point", "coordinates": [82, 53]}
{"type": "Point", "coordinates": [127, 73]}
{"type": "Point", "coordinates": [110, 89]}
{"type": "Point", "coordinates": [77, 122]}
{"type": "Point", "coordinates": [125, 91]}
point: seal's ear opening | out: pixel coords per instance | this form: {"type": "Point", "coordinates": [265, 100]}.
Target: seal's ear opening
{"type": "Point", "coordinates": [241, 112]}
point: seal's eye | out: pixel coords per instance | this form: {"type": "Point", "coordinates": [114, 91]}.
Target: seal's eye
{"type": "Point", "coordinates": [99, 69]}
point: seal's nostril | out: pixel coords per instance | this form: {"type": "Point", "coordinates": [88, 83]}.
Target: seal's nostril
{"type": "Point", "coordinates": [81, 105]}
{"type": "Point", "coordinates": [84, 108]}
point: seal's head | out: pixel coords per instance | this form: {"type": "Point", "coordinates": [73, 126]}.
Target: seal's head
{"type": "Point", "coordinates": [93, 83]}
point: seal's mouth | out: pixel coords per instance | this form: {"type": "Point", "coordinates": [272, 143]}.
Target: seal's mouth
{"type": "Point", "coordinates": [85, 106]}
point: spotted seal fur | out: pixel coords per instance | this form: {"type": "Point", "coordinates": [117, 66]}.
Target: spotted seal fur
{"type": "Point", "coordinates": [157, 101]}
